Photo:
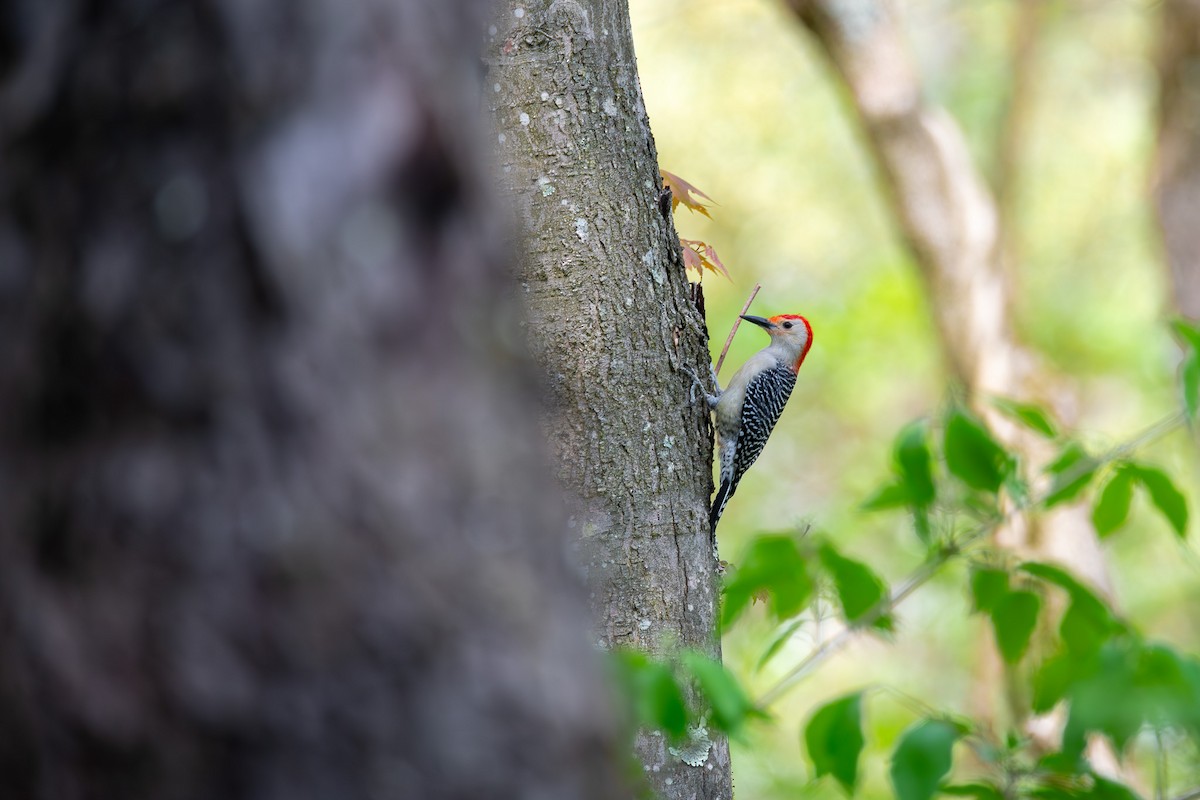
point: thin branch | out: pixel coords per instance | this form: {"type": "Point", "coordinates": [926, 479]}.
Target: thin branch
{"type": "Point", "coordinates": [736, 322]}
{"type": "Point", "coordinates": [827, 647]}
{"type": "Point", "coordinates": [911, 702]}
{"type": "Point", "coordinates": [922, 574]}
{"type": "Point", "coordinates": [1154, 432]}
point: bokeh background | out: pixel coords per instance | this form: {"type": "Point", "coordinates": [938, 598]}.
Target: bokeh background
{"type": "Point", "coordinates": [744, 105]}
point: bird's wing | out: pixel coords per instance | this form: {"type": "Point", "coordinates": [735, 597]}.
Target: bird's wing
{"type": "Point", "coordinates": [766, 396]}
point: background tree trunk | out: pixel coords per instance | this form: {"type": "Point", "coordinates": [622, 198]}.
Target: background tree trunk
{"type": "Point", "coordinates": [612, 323]}
{"type": "Point", "coordinates": [952, 223]}
{"type": "Point", "coordinates": [274, 522]}
{"type": "Point", "coordinates": [1177, 167]}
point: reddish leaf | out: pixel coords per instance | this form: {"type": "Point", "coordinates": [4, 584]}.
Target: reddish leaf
{"type": "Point", "coordinates": [717, 266]}
{"type": "Point", "coordinates": [699, 256]}
{"type": "Point", "coordinates": [681, 192]}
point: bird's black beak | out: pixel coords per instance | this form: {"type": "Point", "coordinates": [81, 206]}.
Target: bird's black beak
{"type": "Point", "coordinates": [761, 322]}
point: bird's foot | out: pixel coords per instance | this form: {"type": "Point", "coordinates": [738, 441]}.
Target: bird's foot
{"type": "Point", "coordinates": [711, 399]}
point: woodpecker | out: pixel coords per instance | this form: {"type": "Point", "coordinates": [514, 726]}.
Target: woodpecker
{"type": "Point", "coordinates": [747, 409]}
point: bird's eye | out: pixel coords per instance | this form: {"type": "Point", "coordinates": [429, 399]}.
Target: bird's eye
{"type": "Point", "coordinates": [787, 324]}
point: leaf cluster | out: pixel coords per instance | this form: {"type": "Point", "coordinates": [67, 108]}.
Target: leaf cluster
{"type": "Point", "coordinates": [655, 691]}
{"type": "Point", "coordinates": [986, 477]}
{"type": "Point", "coordinates": [785, 571]}
{"type": "Point", "coordinates": [1113, 681]}
{"type": "Point", "coordinates": [698, 255]}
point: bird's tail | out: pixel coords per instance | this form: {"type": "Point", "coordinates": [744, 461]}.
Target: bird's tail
{"type": "Point", "coordinates": [719, 502]}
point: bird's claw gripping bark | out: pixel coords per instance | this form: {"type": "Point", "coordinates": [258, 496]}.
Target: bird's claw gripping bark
{"type": "Point", "coordinates": [711, 399]}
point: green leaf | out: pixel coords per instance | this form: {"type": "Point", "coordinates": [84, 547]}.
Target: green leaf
{"type": "Point", "coordinates": [1188, 333]}
{"type": "Point", "coordinates": [729, 703]}
{"type": "Point", "coordinates": [1190, 379]}
{"type": "Point", "coordinates": [988, 586]}
{"type": "Point", "coordinates": [1166, 498]}
{"type": "Point", "coordinates": [1054, 678]}
{"type": "Point", "coordinates": [1164, 692]}
{"type": "Point", "coordinates": [894, 495]}
{"type": "Point", "coordinates": [914, 488]}
{"type": "Point", "coordinates": [653, 692]}
{"type": "Point", "coordinates": [1014, 617]}
{"type": "Point", "coordinates": [1058, 577]}
{"type": "Point", "coordinates": [921, 525]}
{"type": "Point", "coordinates": [1061, 766]}
{"type": "Point", "coordinates": [1086, 626]}
{"type": "Point", "coordinates": [980, 790]}
{"type": "Point", "coordinates": [1124, 686]}
{"type": "Point", "coordinates": [1103, 789]}
{"type": "Point", "coordinates": [1107, 701]}
{"type": "Point", "coordinates": [1072, 470]}
{"type": "Point", "coordinates": [1087, 623]}
{"type": "Point", "coordinates": [772, 564]}
{"type": "Point", "coordinates": [859, 589]}
{"type": "Point", "coordinates": [972, 455]}
{"type": "Point", "coordinates": [662, 703]}
{"type": "Point", "coordinates": [914, 463]}
{"type": "Point", "coordinates": [922, 758]}
{"type": "Point", "coordinates": [1027, 414]}
{"type": "Point", "coordinates": [1189, 713]}
{"type": "Point", "coordinates": [1112, 508]}
{"type": "Point", "coordinates": [834, 740]}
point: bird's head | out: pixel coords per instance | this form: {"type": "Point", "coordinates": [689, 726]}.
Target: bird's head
{"type": "Point", "coordinates": [791, 331]}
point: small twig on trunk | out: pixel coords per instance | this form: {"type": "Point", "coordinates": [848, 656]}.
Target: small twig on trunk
{"type": "Point", "coordinates": [733, 330]}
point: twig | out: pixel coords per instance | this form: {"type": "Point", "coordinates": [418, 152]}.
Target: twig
{"type": "Point", "coordinates": [1160, 766]}
{"type": "Point", "coordinates": [736, 322]}
{"type": "Point", "coordinates": [827, 647]}
{"type": "Point", "coordinates": [1156, 431]}
{"type": "Point", "coordinates": [926, 571]}
{"type": "Point", "coordinates": [911, 702]}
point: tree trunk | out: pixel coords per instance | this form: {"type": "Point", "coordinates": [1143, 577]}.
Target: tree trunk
{"type": "Point", "coordinates": [1177, 167]}
{"type": "Point", "coordinates": [274, 525]}
{"type": "Point", "coordinates": [613, 326]}
{"type": "Point", "coordinates": [952, 224]}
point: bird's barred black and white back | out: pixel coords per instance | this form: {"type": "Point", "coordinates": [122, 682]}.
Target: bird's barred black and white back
{"type": "Point", "coordinates": [766, 395]}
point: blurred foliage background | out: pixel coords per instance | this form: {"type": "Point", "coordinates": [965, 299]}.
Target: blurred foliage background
{"type": "Point", "coordinates": [744, 105]}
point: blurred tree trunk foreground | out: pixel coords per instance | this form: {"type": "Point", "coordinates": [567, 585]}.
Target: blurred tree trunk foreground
{"type": "Point", "coordinates": [614, 328]}
{"type": "Point", "coordinates": [274, 523]}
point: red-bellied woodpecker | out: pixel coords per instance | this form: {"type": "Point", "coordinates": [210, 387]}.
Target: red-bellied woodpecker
{"type": "Point", "coordinates": [747, 409]}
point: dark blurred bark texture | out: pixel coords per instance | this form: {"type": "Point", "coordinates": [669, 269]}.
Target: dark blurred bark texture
{"type": "Point", "coordinates": [273, 521]}
{"type": "Point", "coordinates": [616, 333]}
{"type": "Point", "coordinates": [1177, 168]}
{"type": "Point", "coordinates": [952, 223]}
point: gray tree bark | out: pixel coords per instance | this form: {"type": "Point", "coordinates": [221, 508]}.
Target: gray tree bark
{"type": "Point", "coordinates": [613, 326]}
{"type": "Point", "coordinates": [274, 521]}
